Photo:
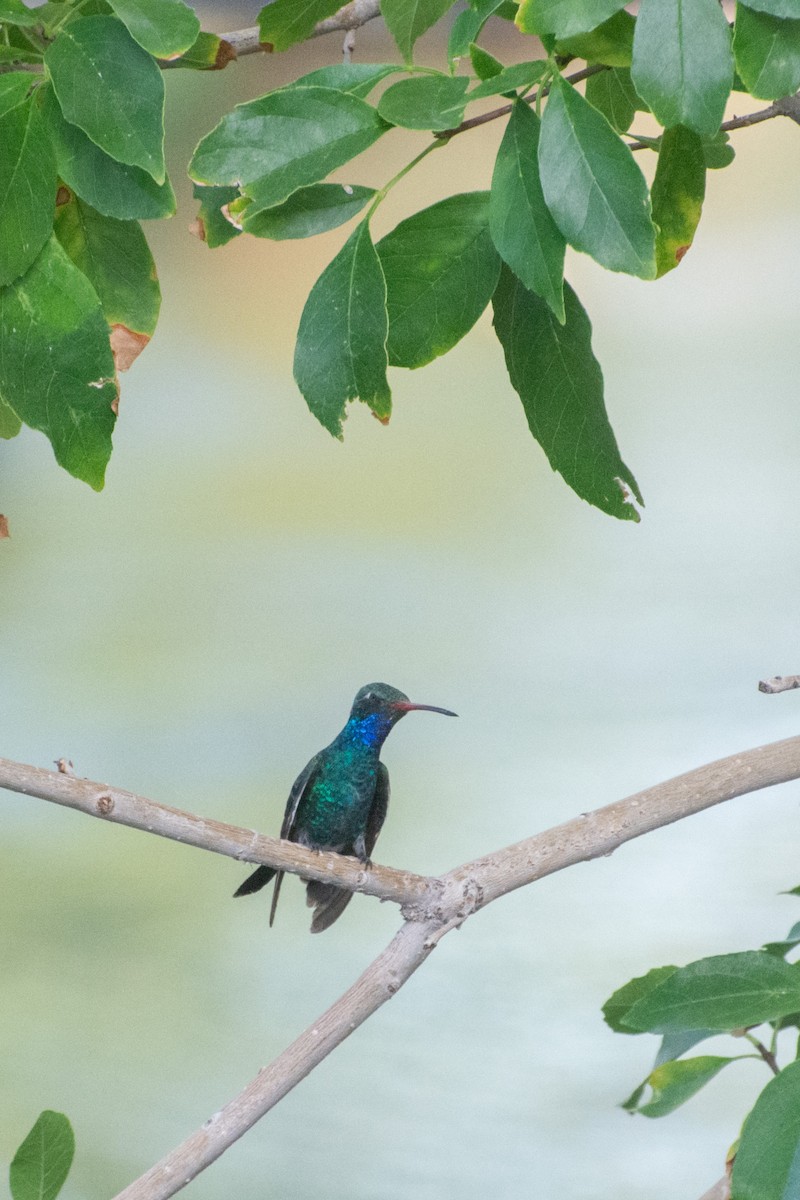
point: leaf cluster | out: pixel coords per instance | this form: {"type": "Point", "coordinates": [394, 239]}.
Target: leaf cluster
{"type": "Point", "coordinates": [739, 995]}
{"type": "Point", "coordinates": [82, 163]}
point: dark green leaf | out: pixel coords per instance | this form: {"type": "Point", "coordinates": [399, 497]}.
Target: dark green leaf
{"type": "Point", "coordinates": [682, 62]}
{"type": "Point", "coordinates": [778, 8]}
{"type": "Point", "coordinates": [565, 18]}
{"type": "Point", "coordinates": [309, 211]}
{"type": "Point", "coordinates": [524, 233]}
{"type": "Point", "coordinates": [558, 379]}
{"type": "Point", "coordinates": [624, 998]}
{"type": "Point", "coordinates": [425, 102]}
{"type": "Point", "coordinates": [767, 53]}
{"type": "Point", "coordinates": [10, 423]}
{"type": "Point", "coordinates": [56, 366]}
{"type": "Point", "coordinates": [357, 79]}
{"type": "Point", "coordinates": [673, 1045]}
{"type": "Point", "coordinates": [409, 19]}
{"type": "Point", "coordinates": [484, 64]}
{"type": "Point", "coordinates": [15, 54]}
{"type": "Point", "coordinates": [112, 89]}
{"type": "Point", "coordinates": [27, 186]}
{"type": "Point", "coordinates": [164, 28]}
{"type": "Point", "coordinates": [675, 1082]}
{"type": "Point", "coordinates": [678, 191]}
{"type": "Point", "coordinates": [767, 1161]}
{"type": "Point", "coordinates": [612, 93]}
{"type": "Point", "coordinates": [212, 227]}
{"type": "Point", "coordinates": [115, 258]}
{"type": "Point", "coordinates": [519, 75]}
{"type": "Point", "coordinates": [717, 151]}
{"type": "Point", "coordinates": [593, 187]}
{"type": "Point", "coordinates": [14, 88]}
{"type": "Point", "coordinates": [725, 992]}
{"type": "Point", "coordinates": [341, 343]}
{"type": "Point", "coordinates": [285, 140]}
{"type": "Point", "coordinates": [206, 53]}
{"type": "Point", "coordinates": [113, 188]}
{"type": "Point", "coordinates": [466, 28]}
{"type": "Point", "coordinates": [282, 23]}
{"type": "Point", "coordinates": [43, 1160]}
{"type": "Point", "coordinates": [441, 269]}
{"type": "Point", "coordinates": [610, 43]}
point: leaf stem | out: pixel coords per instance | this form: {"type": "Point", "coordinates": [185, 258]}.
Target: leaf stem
{"type": "Point", "coordinates": [767, 1055]}
{"type": "Point", "coordinates": [387, 187]}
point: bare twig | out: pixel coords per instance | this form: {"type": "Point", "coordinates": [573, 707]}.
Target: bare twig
{"type": "Point", "coordinates": [779, 683]}
{"type": "Point", "coordinates": [351, 16]}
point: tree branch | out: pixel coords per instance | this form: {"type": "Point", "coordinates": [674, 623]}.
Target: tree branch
{"type": "Point", "coordinates": [351, 16]}
{"type": "Point", "coordinates": [779, 683]}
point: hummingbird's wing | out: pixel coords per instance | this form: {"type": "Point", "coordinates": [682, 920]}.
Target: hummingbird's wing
{"type": "Point", "coordinates": [329, 902]}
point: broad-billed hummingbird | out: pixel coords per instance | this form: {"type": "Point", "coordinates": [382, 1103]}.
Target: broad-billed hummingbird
{"type": "Point", "coordinates": [339, 801]}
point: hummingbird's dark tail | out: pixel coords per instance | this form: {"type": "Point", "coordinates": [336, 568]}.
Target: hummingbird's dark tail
{"type": "Point", "coordinates": [255, 882]}
{"type": "Point", "coordinates": [329, 903]}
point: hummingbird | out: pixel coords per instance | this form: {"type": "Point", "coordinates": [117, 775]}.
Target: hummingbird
{"type": "Point", "coordinates": [339, 800]}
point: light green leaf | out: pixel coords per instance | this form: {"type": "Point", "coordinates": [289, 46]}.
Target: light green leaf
{"type": "Point", "coordinates": [285, 140]}
{"type": "Point", "coordinates": [624, 998]}
{"type": "Point", "coordinates": [357, 79]}
{"type": "Point", "coordinates": [767, 53]}
{"type": "Point", "coordinates": [56, 366]}
{"type": "Point", "coordinates": [682, 62]}
{"type": "Point", "coordinates": [282, 23]}
{"type": "Point", "coordinates": [309, 211]}
{"type": "Point", "coordinates": [678, 191]}
{"type": "Point", "coordinates": [112, 89]}
{"type": "Point", "coordinates": [409, 19]}
{"type": "Point", "coordinates": [728, 991]}
{"type": "Point", "coordinates": [523, 231]}
{"type": "Point", "coordinates": [10, 423]}
{"type": "Point", "coordinates": [42, 1162]}
{"type": "Point", "coordinates": [593, 187]}
{"type": "Point", "coordinates": [767, 1162]}
{"type": "Point", "coordinates": [441, 269]}
{"type": "Point", "coordinates": [212, 227]}
{"type": "Point", "coordinates": [467, 26]}
{"type": "Point", "coordinates": [777, 8]}
{"type": "Point", "coordinates": [112, 187]}
{"type": "Point", "coordinates": [612, 93]}
{"type": "Point", "coordinates": [115, 258]}
{"type": "Point", "coordinates": [433, 102]}
{"type": "Point", "coordinates": [565, 18]}
{"type": "Point", "coordinates": [558, 379]}
{"type": "Point", "coordinates": [675, 1082]}
{"type": "Point", "coordinates": [519, 75]}
{"type": "Point", "coordinates": [610, 43]}
{"type": "Point", "coordinates": [27, 186]}
{"type": "Point", "coordinates": [484, 64]}
{"type": "Point", "coordinates": [164, 28]}
{"type": "Point", "coordinates": [341, 343]}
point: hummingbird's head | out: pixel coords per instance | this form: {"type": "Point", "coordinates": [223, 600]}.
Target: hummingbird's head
{"type": "Point", "coordinates": [381, 700]}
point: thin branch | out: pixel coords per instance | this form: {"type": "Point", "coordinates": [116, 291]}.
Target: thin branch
{"type": "Point", "coordinates": [779, 683]}
{"type": "Point", "coordinates": [767, 1055]}
{"type": "Point", "coordinates": [351, 16]}
{"type": "Point", "coordinates": [787, 106]}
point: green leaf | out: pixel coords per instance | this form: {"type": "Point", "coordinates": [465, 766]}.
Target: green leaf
{"type": "Point", "coordinates": [593, 187]}
{"type": "Point", "coordinates": [565, 18]}
{"type": "Point", "coordinates": [678, 192]}
{"type": "Point", "coordinates": [14, 89]}
{"type": "Point", "coordinates": [682, 62]}
{"type": "Point", "coordinates": [559, 381]}
{"type": "Point", "coordinates": [206, 53]}
{"type": "Point", "coordinates": [624, 998]}
{"type": "Point", "coordinates": [164, 28]}
{"type": "Point", "coordinates": [285, 140]}
{"type": "Point", "coordinates": [16, 54]}
{"type": "Point", "coordinates": [10, 423]}
{"type": "Point", "coordinates": [519, 75]}
{"type": "Point", "coordinates": [728, 991]}
{"type": "Point", "coordinates": [612, 93]}
{"type": "Point", "coordinates": [56, 366]}
{"type": "Point", "coordinates": [434, 102]}
{"type": "Point", "coordinates": [357, 79]}
{"type": "Point", "coordinates": [790, 941]}
{"type": "Point", "coordinates": [341, 343]}
{"type": "Point", "coordinates": [767, 53]}
{"type": "Point", "coordinates": [466, 28]}
{"type": "Point", "coordinates": [16, 13]}
{"type": "Point", "coordinates": [212, 227]}
{"type": "Point", "coordinates": [27, 185]}
{"type": "Point", "coordinates": [610, 43]}
{"type": "Point", "coordinates": [717, 151]}
{"type": "Point", "coordinates": [309, 211]}
{"type": "Point", "coordinates": [441, 269]}
{"type": "Point", "coordinates": [114, 189]}
{"type": "Point", "coordinates": [673, 1045]}
{"type": "Point", "coordinates": [778, 8]}
{"type": "Point", "coordinates": [42, 1162]}
{"type": "Point", "coordinates": [112, 89]}
{"type": "Point", "coordinates": [115, 258]}
{"type": "Point", "coordinates": [673, 1083]}
{"type": "Point", "coordinates": [767, 1162]}
{"type": "Point", "coordinates": [524, 233]}
{"type": "Point", "coordinates": [484, 64]}
{"type": "Point", "coordinates": [282, 23]}
{"type": "Point", "coordinates": [409, 19]}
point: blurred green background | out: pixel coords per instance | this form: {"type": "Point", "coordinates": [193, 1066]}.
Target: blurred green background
{"type": "Point", "coordinates": [198, 630]}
